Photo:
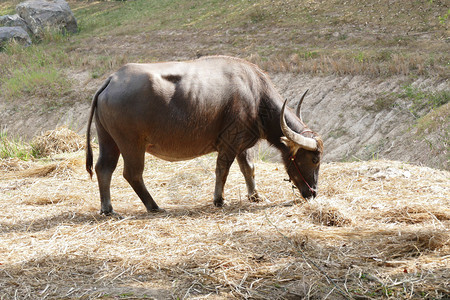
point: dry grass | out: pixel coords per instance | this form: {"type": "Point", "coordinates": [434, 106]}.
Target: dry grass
{"type": "Point", "coordinates": [343, 65]}
{"type": "Point", "coordinates": [60, 140]}
{"type": "Point", "coordinates": [379, 229]}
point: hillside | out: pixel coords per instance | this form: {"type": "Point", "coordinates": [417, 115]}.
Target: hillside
{"type": "Point", "coordinates": [378, 79]}
{"type": "Point", "coordinates": [377, 71]}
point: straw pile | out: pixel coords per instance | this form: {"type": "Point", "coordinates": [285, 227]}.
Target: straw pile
{"type": "Point", "coordinates": [378, 229]}
{"type": "Point", "coordinates": [60, 140]}
{"type": "Point", "coordinates": [14, 164]}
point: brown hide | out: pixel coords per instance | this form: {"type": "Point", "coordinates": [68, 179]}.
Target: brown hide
{"type": "Point", "coordinates": [182, 110]}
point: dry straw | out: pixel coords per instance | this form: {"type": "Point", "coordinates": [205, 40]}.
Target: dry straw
{"type": "Point", "coordinates": [58, 141]}
{"type": "Point", "coordinates": [378, 229]}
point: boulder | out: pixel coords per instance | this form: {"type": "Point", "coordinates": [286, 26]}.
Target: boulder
{"type": "Point", "coordinates": [42, 15]}
{"type": "Point", "coordinates": [14, 21]}
{"type": "Point", "coordinates": [14, 33]}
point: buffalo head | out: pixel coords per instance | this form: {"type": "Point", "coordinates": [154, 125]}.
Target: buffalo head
{"type": "Point", "coordinates": [302, 162]}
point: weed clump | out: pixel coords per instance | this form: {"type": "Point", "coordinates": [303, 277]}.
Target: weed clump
{"type": "Point", "coordinates": [14, 148]}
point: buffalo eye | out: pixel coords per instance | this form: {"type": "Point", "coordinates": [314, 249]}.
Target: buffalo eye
{"type": "Point", "coordinates": [315, 160]}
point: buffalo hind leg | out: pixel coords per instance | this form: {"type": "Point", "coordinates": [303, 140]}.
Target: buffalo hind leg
{"type": "Point", "coordinates": [245, 160]}
{"type": "Point", "coordinates": [106, 164]}
{"type": "Point", "coordinates": [223, 164]}
{"type": "Point", "coordinates": [133, 169]}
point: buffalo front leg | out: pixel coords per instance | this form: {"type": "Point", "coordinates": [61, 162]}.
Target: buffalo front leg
{"type": "Point", "coordinates": [223, 164]}
{"type": "Point", "coordinates": [133, 169]}
{"type": "Point", "coordinates": [245, 160]}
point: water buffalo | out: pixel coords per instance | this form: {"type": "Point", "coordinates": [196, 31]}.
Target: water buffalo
{"type": "Point", "coordinates": [182, 110]}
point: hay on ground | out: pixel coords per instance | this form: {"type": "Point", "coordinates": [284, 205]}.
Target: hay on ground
{"type": "Point", "coordinates": [60, 140]}
{"type": "Point", "coordinates": [375, 236]}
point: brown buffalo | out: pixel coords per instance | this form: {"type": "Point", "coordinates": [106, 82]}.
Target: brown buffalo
{"type": "Point", "coordinates": [182, 110]}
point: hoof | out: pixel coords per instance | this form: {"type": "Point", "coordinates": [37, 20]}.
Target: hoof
{"type": "Point", "coordinates": [111, 214]}
{"type": "Point", "coordinates": [155, 210]}
{"type": "Point", "coordinates": [218, 202]}
{"type": "Point", "coordinates": [254, 197]}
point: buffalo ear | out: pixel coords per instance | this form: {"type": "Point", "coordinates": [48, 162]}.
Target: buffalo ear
{"type": "Point", "coordinates": [293, 147]}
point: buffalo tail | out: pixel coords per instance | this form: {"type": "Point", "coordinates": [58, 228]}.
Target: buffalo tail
{"type": "Point", "coordinates": [89, 155]}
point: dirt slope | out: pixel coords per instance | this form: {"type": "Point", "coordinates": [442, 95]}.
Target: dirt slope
{"type": "Point", "coordinates": [344, 110]}
{"type": "Point", "coordinates": [371, 66]}
{"type": "Point", "coordinates": [341, 108]}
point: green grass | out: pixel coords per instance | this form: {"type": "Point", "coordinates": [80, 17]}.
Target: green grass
{"type": "Point", "coordinates": [42, 82]}
{"type": "Point", "coordinates": [437, 121]}
{"type": "Point", "coordinates": [301, 23]}
{"type": "Point", "coordinates": [14, 148]}
{"type": "Point", "coordinates": [434, 120]}
{"type": "Point", "coordinates": [423, 100]}
{"type": "Point", "coordinates": [280, 36]}
{"type": "Point", "coordinates": [420, 102]}
{"type": "Point", "coordinates": [386, 101]}
{"type": "Point", "coordinates": [434, 129]}
{"type": "Point", "coordinates": [7, 8]}
{"type": "Point", "coordinates": [32, 72]}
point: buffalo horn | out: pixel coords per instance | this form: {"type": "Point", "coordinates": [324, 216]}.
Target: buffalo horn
{"type": "Point", "coordinates": [298, 111]}
{"type": "Point", "coordinates": [303, 141]}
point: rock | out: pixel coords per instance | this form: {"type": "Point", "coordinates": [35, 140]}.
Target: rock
{"type": "Point", "coordinates": [14, 21]}
{"type": "Point", "coordinates": [41, 15]}
{"type": "Point", "coordinates": [14, 33]}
